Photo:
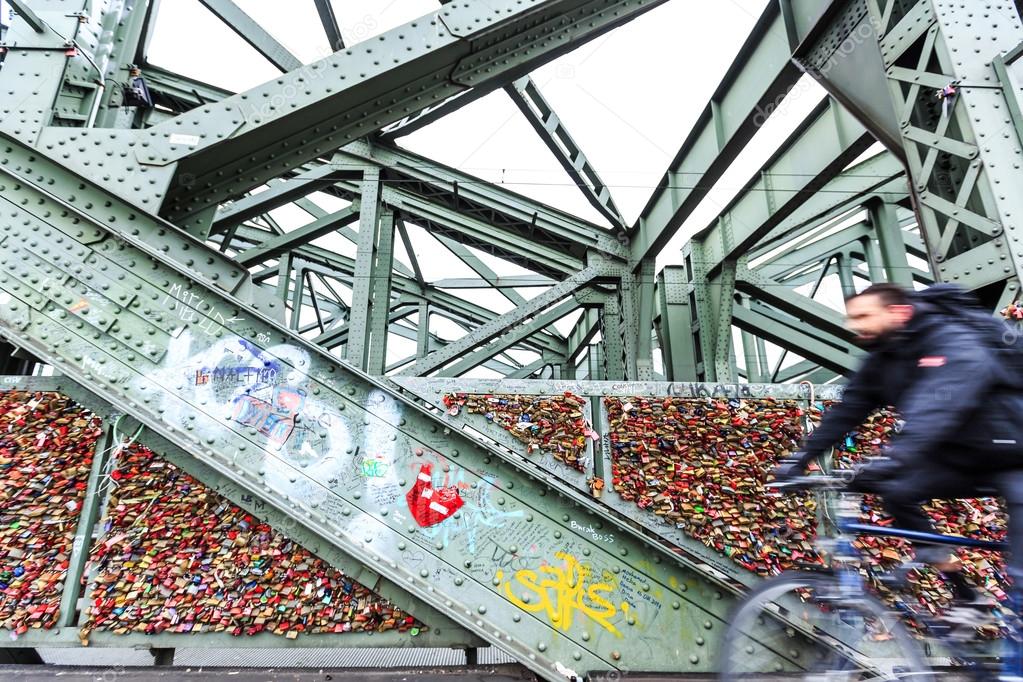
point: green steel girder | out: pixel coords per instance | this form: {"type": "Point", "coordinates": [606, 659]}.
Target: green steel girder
{"type": "Point", "coordinates": [879, 178]}
{"type": "Point", "coordinates": [223, 150]}
{"type": "Point", "coordinates": [751, 90]}
{"type": "Point", "coordinates": [549, 127]}
{"type": "Point", "coordinates": [837, 46]}
{"type": "Point", "coordinates": [371, 284]}
{"type": "Point", "coordinates": [480, 268]}
{"type": "Point", "coordinates": [675, 325]}
{"type": "Point", "coordinates": [146, 322]}
{"type": "Point", "coordinates": [822, 320]}
{"type": "Point", "coordinates": [582, 333]}
{"type": "Point", "coordinates": [780, 265]}
{"type": "Point", "coordinates": [434, 343]}
{"type": "Point", "coordinates": [817, 151]}
{"type": "Point", "coordinates": [251, 32]}
{"type": "Point", "coordinates": [507, 282]}
{"type": "Point", "coordinates": [804, 370]}
{"type": "Point", "coordinates": [30, 17]}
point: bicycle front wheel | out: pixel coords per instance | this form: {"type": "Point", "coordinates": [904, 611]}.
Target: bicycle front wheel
{"type": "Point", "coordinates": [799, 623]}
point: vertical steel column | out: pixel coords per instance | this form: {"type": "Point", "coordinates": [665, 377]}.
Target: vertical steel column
{"type": "Point", "coordinates": [595, 363]}
{"type": "Point", "coordinates": [678, 346]}
{"type": "Point", "coordinates": [721, 294]}
{"type": "Point", "coordinates": [874, 265]}
{"type": "Point", "coordinates": [644, 342]}
{"type": "Point", "coordinates": [380, 287]}
{"type": "Point", "coordinates": [703, 327]}
{"type": "Point", "coordinates": [92, 502]}
{"type": "Point", "coordinates": [423, 331]}
{"type": "Point", "coordinates": [885, 221]}
{"type": "Point", "coordinates": [628, 321]}
{"type": "Point", "coordinates": [362, 284]}
{"type": "Point", "coordinates": [611, 340]}
{"type": "Point", "coordinates": [845, 274]}
{"type": "Point", "coordinates": [750, 350]}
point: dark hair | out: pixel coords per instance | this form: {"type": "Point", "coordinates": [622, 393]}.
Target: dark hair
{"type": "Point", "coordinates": [890, 294]}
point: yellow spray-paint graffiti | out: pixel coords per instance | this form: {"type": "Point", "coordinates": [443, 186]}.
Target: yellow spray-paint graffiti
{"type": "Point", "coordinates": [560, 591]}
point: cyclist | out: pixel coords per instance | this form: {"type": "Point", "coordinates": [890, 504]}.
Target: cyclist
{"type": "Point", "coordinates": [940, 363]}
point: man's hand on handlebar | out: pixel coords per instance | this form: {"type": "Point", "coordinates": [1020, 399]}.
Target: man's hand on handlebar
{"type": "Point", "coordinates": [787, 472]}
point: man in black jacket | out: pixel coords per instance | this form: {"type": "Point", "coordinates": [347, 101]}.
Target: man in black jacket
{"type": "Point", "coordinates": [962, 410]}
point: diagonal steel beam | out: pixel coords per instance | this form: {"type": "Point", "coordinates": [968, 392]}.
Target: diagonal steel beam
{"type": "Point", "coordinates": [880, 178]}
{"type": "Point", "coordinates": [251, 32]}
{"type": "Point", "coordinates": [509, 282]}
{"type": "Point", "coordinates": [817, 151]}
{"type": "Point", "coordinates": [801, 254]}
{"type": "Point", "coordinates": [330, 25]}
{"type": "Point", "coordinates": [480, 268]}
{"type": "Point", "coordinates": [819, 316]}
{"type": "Point", "coordinates": [754, 85]}
{"type": "Point", "coordinates": [795, 338]}
{"type": "Point", "coordinates": [303, 235]}
{"type": "Point", "coordinates": [553, 132]}
{"type": "Point", "coordinates": [277, 195]}
{"type": "Point", "coordinates": [31, 18]}
{"type": "Point", "coordinates": [502, 323]}
{"type": "Point", "coordinates": [506, 341]}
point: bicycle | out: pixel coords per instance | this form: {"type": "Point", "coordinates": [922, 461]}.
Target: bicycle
{"type": "Point", "coordinates": [850, 634]}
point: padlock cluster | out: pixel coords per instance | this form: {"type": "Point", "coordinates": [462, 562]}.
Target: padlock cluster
{"type": "Point", "coordinates": [553, 424]}
{"type": "Point", "coordinates": [46, 449]}
{"type": "Point", "coordinates": [701, 465]}
{"type": "Point", "coordinates": [1013, 311]}
{"type": "Point", "coordinates": [174, 556]}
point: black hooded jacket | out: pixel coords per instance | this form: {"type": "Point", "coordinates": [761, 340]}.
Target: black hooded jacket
{"type": "Point", "coordinates": [943, 375]}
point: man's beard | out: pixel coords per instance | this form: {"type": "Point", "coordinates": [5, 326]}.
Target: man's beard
{"type": "Point", "coordinates": [872, 343]}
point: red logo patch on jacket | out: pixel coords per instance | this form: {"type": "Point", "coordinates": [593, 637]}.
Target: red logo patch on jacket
{"type": "Point", "coordinates": [931, 361]}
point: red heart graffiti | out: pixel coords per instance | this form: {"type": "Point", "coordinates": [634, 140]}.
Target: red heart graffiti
{"type": "Point", "coordinates": [429, 505]}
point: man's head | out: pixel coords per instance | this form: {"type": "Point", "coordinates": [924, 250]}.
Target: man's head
{"type": "Point", "coordinates": [876, 312]}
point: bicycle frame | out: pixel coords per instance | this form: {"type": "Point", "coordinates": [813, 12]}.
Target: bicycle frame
{"type": "Point", "coordinates": [843, 518]}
